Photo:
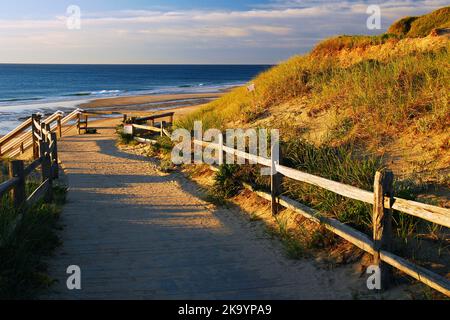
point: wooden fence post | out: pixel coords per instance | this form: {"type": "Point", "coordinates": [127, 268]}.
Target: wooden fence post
{"type": "Point", "coordinates": [46, 168]}
{"type": "Point", "coordinates": [275, 178]}
{"type": "Point", "coordinates": [382, 222]}
{"type": "Point", "coordinates": [124, 119]}
{"type": "Point", "coordinates": [16, 170]}
{"type": "Point", "coordinates": [43, 135]}
{"type": "Point", "coordinates": [79, 123]}
{"type": "Point", "coordinates": [34, 132]}
{"type": "Point", "coordinates": [222, 154]}
{"type": "Point", "coordinates": [54, 156]}
{"type": "Point", "coordinates": [59, 126]}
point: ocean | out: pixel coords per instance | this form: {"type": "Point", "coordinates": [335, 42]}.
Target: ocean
{"type": "Point", "coordinates": [28, 88]}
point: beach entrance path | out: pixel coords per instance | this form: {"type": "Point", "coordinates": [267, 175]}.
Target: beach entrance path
{"type": "Point", "coordinates": [139, 234]}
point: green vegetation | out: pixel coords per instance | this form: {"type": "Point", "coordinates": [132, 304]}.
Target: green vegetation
{"type": "Point", "coordinates": [341, 164]}
{"type": "Point", "coordinates": [124, 138]}
{"type": "Point", "coordinates": [402, 26]}
{"type": "Point", "coordinates": [421, 26]}
{"type": "Point", "coordinates": [226, 183]}
{"type": "Point", "coordinates": [24, 244]}
{"type": "Point", "coordinates": [339, 43]}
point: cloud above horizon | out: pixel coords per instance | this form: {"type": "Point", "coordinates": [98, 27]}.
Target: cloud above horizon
{"type": "Point", "coordinates": [266, 33]}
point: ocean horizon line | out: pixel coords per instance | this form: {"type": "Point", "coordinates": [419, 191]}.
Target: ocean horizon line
{"type": "Point", "coordinates": [136, 64]}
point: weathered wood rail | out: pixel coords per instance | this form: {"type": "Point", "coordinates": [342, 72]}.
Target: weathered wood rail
{"type": "Point", "coordinates": [41, 135]}
{"type": "Point", "coordinates": [27, 134]}
{"type": "Point", "coordinates": [382, 200]}
{"type": "Point", "coordinates": [134, 124]}
{"type": "Point", "coordinates": [18, 173]}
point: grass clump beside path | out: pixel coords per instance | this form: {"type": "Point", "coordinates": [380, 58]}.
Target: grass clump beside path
{"type": "Point", "coordinates": [25, 244]}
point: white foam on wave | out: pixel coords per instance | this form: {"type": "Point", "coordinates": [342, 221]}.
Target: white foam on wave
{"type": "Point", "coordinates": [40, 106]}
{"type": "Point", "coordinates": [103, 92]}
{"type": "Point", "coordinates": [12, 116]}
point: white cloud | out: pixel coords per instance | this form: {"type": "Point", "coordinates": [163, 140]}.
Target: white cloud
{"type": "Point", "coordinates": [289, 26]}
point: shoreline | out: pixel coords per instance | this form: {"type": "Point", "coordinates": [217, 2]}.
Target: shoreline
{"type": "Point", "coordinates": [111, 106]}
{"type": "Point", "coordinates": [148, 103]}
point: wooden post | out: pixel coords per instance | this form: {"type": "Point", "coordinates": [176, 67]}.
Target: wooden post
{"type": "Point", "coordinates": [124, 118]}
{"type": "Point", "coordinates": [22, 149]}
{"type": "Point", "coordinates": [48, 131]}
{"type": "Point", "coordinates": [59, 126]}
{"type": "Point", "coordinates": [54, 156]}
{"type": "Point", "coordinates": [16, 170]}
{"type": "Point", "coordinates": [46, 168]}
{"type": "Point", "coordinates": [275, 178]}
{"type": "Point", "coordinates": [171, 119]}
{"type": "Point", "coordinates": [79, 123]}
{"type": "Point", "coordinates": [43, 135]}
{"type": "Point", "coordinates": [222, 154]}
{"type": "Point", "coordinates": [382, 222]}
{"type": "Point", "coordinates": [162, 127]}
{"type": "Point", "coordinates": [34, 131]}
{"type": "Point", "coordinates": [86, 122]}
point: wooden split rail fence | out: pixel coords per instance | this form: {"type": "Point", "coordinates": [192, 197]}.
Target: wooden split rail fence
{"type": "Point", "coordinates": [132, 125]}
{"type": "Point", "coordinates": [382, 200]}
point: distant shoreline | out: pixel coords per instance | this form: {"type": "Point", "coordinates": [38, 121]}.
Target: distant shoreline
{"type": "Point", "coordinates": [147, 102]}
{"type": "Point", "coordinates": [134, 104]}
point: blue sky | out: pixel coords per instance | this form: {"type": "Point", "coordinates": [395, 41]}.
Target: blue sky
{"type": "Point", "coordinates": [42, 8]}
{"type": "Point", "coordinates": [182, 31]}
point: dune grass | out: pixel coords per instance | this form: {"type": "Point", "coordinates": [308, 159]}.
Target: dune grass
{"type": "Point", "coordinates": [378, 95]}
{"type": "Point", "coordinates": [423, 25]}
{"type": "Point", "coordinates": [402, 26]}
{"type": "Point", "coordinates": [376, 100]}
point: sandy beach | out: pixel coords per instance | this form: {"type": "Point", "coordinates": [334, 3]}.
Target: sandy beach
{"type": "Point", "coordinates": [148, 99]}
{"type": "Point", "coordinates": [140, 105]}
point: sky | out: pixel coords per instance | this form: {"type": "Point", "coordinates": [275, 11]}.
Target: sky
{"type": "Point", "coordinates": [184, 31]}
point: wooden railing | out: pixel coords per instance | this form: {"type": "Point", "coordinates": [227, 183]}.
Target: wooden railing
{"type": "Point", "coordinates": [382, 200]}
{"type": "Point", "coordinates": [27, 134]}
{"type": "Point", "coordinates": [47, 160]}
{"type": "Point", "coordinates": [41, 135]}
{"type": "Point", "coordinates": [136, 124]}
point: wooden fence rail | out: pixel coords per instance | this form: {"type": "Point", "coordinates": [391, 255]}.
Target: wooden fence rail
{"type": "Point", "coordinates": [42, 138]}
{"type": "Point", "coordinates": [28, 133]}
{"type": "Point", "coordinates": [133, 124]}
{"type": "Point", "coordinates": [381, 199]}
{"type": "Point", "coordinates": [47, 160]}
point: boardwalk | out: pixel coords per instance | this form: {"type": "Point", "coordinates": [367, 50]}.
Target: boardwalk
{"type": "Point", "coordinates": [139, 234]}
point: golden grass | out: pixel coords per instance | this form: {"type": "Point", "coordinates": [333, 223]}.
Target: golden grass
{"type": "Point", "coordinates": [423, 25]}
{"type": "Point", "coordinates": [375, 92]}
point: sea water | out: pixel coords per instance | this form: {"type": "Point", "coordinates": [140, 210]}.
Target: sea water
{"type": "Point", "coordinates": [31, 88]}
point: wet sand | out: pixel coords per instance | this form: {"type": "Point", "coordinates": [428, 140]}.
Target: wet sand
{"type": "Point", "coordinates": [149, 102]}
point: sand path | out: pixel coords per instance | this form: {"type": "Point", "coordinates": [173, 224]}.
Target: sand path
{"type": "Point", "coordinates": [139, 234]}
